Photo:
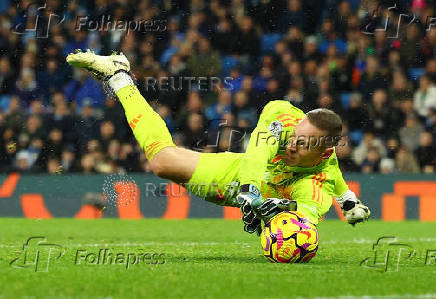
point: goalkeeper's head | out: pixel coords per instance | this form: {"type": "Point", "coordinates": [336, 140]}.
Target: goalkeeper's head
{"type": "Point", "coordinates": [314, 138]}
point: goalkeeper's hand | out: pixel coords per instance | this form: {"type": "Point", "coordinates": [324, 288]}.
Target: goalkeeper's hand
{"type": "Point", "coordinates": [353, 209]}
{"type": "Point", "coordinates": [249, 197]}
{"type": "Point", "coordinates": [272, 206]}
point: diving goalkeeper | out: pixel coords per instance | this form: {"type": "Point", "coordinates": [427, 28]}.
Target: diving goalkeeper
{"type": "Point", "coordinates": [289, 164]}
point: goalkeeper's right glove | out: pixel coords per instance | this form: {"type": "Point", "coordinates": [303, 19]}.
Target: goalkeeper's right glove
{"type": "Point", "coordinates": [352, 208]}
{"type": "Point", "coordinates": [248, 198]}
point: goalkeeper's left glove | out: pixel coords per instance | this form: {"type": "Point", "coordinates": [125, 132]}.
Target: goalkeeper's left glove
{"type": "Point", "coordinates": [273, 206]}
{"type": "Point", "coordinates": [352, 208]}
{"type": "Point", "coordinates": [249, 197]}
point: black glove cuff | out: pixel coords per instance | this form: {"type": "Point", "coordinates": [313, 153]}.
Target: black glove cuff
{"type": "Point", "coordinates": [250, 188]}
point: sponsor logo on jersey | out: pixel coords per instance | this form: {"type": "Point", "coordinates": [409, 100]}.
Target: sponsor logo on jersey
{"type": "Point", "coordinates": [276, 129]}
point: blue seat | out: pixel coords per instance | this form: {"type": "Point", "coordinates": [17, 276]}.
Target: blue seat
{"type": "Point", "coordinates": [269, 41]}
{"type": "Point", "coordinates": [415, 73]}
{"type": "Point", "coordinates": [228, 62]}
{"type": "Point", "coordinates": [4, 103]}
{"type": "Point", "coordinates": [356, 136]}
{"type": "Point", "coordinates": [345, 99]}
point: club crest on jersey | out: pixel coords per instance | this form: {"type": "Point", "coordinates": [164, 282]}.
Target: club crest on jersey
{"type": "Point", "coordinates": [276, 129]}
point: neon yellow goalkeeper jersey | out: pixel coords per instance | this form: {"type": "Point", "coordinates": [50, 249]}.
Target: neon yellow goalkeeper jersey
{"type": "Point", "coordinates": [313, 188]}
{"type": "Point", "coordinates": [217, 175]}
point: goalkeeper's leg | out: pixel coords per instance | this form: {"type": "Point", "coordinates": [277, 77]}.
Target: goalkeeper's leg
{"type": "Point", "coordinates": [167, 160]}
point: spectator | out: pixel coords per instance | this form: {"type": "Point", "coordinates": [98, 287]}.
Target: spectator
{"type": "Point", "coordinates": [68, 160]}
{"type": "Point", "coordinates": [426, 151]}
{"type": "Point", "coordinates": [400, 90]}
{"type": "Point", "coordinates": [392, 146]}
{"type": "Point", "coordinates": [7, 76]}
{"type": "Point", "coordinates": [343, 152]}
{"type": "Point", "coordinates": [247, 38]}
{"type": "Point", "coordinates": [384, 118]}
{"type": "Point", "coordinates": [410, 134]}
{"type": "Point", "coordinates": [225, 38]}
{"type": "Point", "coordinates": [27, 89]}
{"type": "Point", "coordinates": [311, 49]}
{"type": "Point", "coordinates": [107, 133]}
{"type": "Point", "coordinates": [195, 132]}
{"type": "Point", "coordinates": [53, 146]}
{"type": "Point", "coordinates": [50, 79]}
{"type": "Point", "coordinates": [15, 116]}
{"type": "Point", "coordinates": [425, 97]}
{"type": "Point", "coordinates": [387, 166]}
{"type": "Point", "coordinates": [54, 166]}
{"type": "Point", "coordinates": [165, 113]}
{"type": "Point", "coordinates": [371, 79]}
{"type": "Point", "coordinates": [242, 110]}
{"type": "Point", "coordinates": [409, 50]}
{"type": "Point", "coordinates": [88, 164]}
{"type": "Point", "coordinates": [342, 16]}
{"type": "Point", "coordinates": [371, 163]}
{"type": "Point", "coordinates": [356, 115]}
{"type": "Point", "coordinates": [83, 88]}
{"type": "Point", "coordinates": [405, 162]}
{"type": "Point", "coordinates": [205, 62]}
{"type": "Point", "coordinates": [369, 141]}
{"type": "Point", "coordinates": [292, 16]}
{"type": "Point", "coordinates": [215, 113]}
{"type": "Point", "coordinates": [193, 105]}
{"type": "Point", "coordinates": [328, 37]}
{"type": "Point", "coordinates": [86, 126]}
{"type": "Point", "coordinates": [23, 161]}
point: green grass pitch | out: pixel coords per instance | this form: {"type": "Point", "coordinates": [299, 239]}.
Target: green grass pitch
{"type": "Point", "coordinates": [211, 259]}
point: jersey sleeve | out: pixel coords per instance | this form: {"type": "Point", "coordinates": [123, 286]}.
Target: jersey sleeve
{"type": "Point", "coordinates": [266, 140]}
{"type": "Point", "coordinates": [340, 185]}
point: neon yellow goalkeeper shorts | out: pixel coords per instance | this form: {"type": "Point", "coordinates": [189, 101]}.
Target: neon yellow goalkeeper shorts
{"type": "Point", "coordinates": [215, 177]}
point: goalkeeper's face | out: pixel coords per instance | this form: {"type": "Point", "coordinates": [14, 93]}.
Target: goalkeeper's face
{"type": "Point", "coordinates": [306, 147]}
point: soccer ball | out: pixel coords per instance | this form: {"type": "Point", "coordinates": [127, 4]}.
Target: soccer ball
{"type": "Point", "coordinates": [289, 238]}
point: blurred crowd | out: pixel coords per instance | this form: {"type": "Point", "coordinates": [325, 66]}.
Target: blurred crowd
{"type": "Point", "coordinates": [373, 62]}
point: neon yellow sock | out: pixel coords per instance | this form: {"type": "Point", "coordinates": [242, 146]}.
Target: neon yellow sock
{"type": "Point", "coordinates": [148, 127]}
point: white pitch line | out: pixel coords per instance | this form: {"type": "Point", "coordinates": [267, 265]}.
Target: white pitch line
{"type": "Point", "coordinates": [354, 241]}
{"type": "Point", "coordinates": [396, 296]}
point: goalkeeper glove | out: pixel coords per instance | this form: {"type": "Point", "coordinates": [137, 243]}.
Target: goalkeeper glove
{"type": "Point", "coordinates": [352, 208]}
{"type": "Point", "coordinates": [272, 206]}
{"type": "Point", "coordinates": [249, 197]}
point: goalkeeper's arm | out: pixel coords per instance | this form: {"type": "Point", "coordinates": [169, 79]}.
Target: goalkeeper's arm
{"type": "Point", "coordinates": [263, 145]}
{"type": "Point", "coordinates": [352, 208]}
{"type": "Point", "coordinates": [265, 141]}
